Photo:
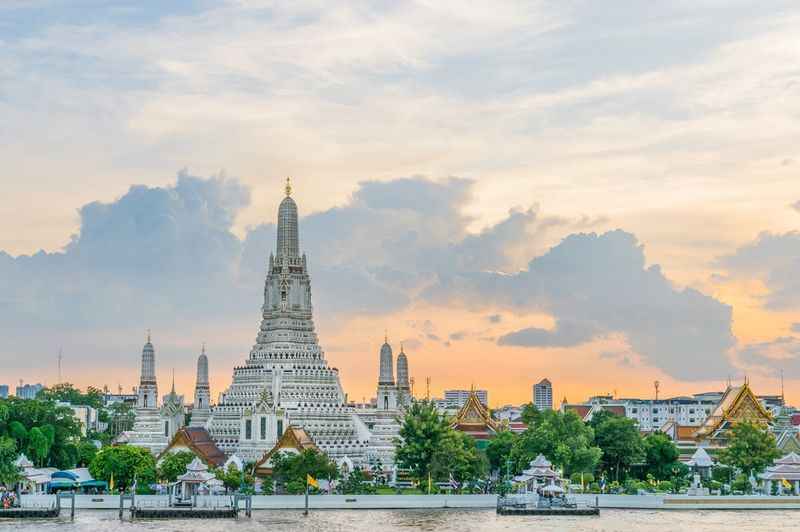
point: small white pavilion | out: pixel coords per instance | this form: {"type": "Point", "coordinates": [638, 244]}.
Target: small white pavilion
{"type": "Point", "coordinates": [701, 462]}
{"type": "Point", "coordinates": [195, 480]}
{"type": "Point", "coordinates": [785, 471]}
{"type": "Point", "coordinates": [33, 480]}
{"type": "Point", "coordinates": [540, 473]}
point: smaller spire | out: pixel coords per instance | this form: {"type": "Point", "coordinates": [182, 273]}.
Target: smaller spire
{"type": "Point", "coordinates": [173, 381]}
{"type": "Point", "coordinates": [203, 349]}
{"type": "Point", "coordinates": [401, 347]}
{"type": "Point", "coordinates": [288, 187]}
{"type": "Point", "coordinates": [385, 336]}
{"type": "Point", "coordinates": [148, 336]}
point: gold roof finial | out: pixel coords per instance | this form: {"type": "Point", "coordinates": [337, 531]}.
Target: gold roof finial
{"type": "Point", "coordinates": [288, 187]}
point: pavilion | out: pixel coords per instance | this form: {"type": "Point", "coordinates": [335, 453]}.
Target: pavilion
{"type": "Point", "coordinates": [540, 473]}
{"type": "Point", "coordinates": [786, 472]}
{"type": "Point", "coordinates": [701, 462]}
{"type": "Point", "coordinates": [196, 479]}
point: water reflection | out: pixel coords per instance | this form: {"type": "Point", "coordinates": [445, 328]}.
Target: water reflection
{"type": "Point", "coordinates": [430, 520]}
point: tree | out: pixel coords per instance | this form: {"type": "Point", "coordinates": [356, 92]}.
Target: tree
{"type": "Point", "coordinates": [562, 437]}
{"type": "Point", "coordinates": [66, 392]}
{"type": "Point", "coordinates": [233, 479]}
{"type": "Point", "coordinates": [289, 470]}
{"type": "Point", "coordinates": [661, 456]}
{"type": "Point", "coordinates": [751, 448]}
{"type": "Point", "coordinates": [38, 446]}
{"type": "Point", "coordinates": [422, 430]}
{"type": "Point", "coordinates": [356, 483]}
{"type": "Point", "coordinates": [9, 473]}
{"type": "Point", "coordinates": [620, 441]}
{"type": "Point", "coordinates": [20, 434]}
{"type": "Point", "coordinates": [498, 450]}
{"type": "Point", "coordinates": [457, 458]}
{"type": "Point", "coordinates": [86, 452]}
{"type": "Point", "coordinates": [124, 462]}
{"type": "Point", "coordinates": [173, 465]}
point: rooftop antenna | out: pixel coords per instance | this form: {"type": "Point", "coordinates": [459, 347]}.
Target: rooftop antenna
{"type": "Point", "coordinates": [59, 364]}
{"type": "Point", "coordinates": [656, 384]}
{"type": "Point", "coordinates": [783, 399]}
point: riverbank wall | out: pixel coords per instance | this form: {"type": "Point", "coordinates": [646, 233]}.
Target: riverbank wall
{"type": "Point", "coordinates": [398, 502]}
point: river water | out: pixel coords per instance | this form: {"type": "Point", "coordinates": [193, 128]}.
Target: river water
{"type": "Point", "coordinates": [433, 520]}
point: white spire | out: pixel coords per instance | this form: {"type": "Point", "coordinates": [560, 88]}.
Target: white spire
{"type": "Point", "coordinates": [386, 375]}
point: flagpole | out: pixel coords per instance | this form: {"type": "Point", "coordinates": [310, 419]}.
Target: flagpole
{"type": "Point", "coordinates": [306, 510]}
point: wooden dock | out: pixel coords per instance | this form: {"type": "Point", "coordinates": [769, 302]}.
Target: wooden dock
{"type": "Point", "coordinates": [518, 510]}
{"type": "Point", "coordinates": [29, 513]}
{"type": "Point", "coordinates": [183, 513]}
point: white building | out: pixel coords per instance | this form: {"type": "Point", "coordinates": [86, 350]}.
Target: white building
{"type": "Point", "coordinates": [457, 398]}
{"type": "Point", "coordinates": [85, 415]}
{"type": "Point", "coordinates": [543, 395]}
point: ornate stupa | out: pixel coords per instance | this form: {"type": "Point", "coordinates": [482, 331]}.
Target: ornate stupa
{"type": "Point", "coordinates": [153, 426]}
{"type": "Point", "coordinates": [403, 386]}
{"type": "Point", "coordinates": [201, 410]}
{"type": "Point", "coordinates": [286, 380]}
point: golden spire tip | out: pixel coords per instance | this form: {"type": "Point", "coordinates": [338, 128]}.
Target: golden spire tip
{"type": "Point", "coordinates": [288, 187]}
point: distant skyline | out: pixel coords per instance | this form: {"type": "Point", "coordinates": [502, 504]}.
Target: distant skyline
{"type": "Point", "coordinates": [603, 195]}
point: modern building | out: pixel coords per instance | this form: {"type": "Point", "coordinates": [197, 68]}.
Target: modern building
{"type": "Point", "coordinates": [457, 398]}
{"type": "Point", "coordinates": [543, 395]}
{"type": "Point", "coordinates": [28, 391]}
{"type": "Point", "coordinates": [3, 391]}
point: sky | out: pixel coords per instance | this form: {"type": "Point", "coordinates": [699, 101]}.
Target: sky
{"type": "Point", "coordinates": [603, 194]}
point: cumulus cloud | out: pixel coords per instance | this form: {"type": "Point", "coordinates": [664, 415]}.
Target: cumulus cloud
{"type": "Point", "coordinates": [167, 256]}
{"type": "Point", "coordinates": [774, 259]}
{"type": "Point", "coordinates": [599, 284]}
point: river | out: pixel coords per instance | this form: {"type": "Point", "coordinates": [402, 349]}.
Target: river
{"type": "Point", "coordinates": [432, 520]}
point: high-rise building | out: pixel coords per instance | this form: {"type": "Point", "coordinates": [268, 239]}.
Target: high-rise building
{"type": "Point", "coordinates": [28, 391]}
{"type": "Point", "coordinates": [3, 391]}
{"type": "Point", "coordinates": [457, 398]}
{"type": "Point", "coordinates": [543, 395]}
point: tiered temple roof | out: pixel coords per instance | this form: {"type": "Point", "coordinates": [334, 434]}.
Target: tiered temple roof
{"type": "Point", "coordinates": [294, 440]}
{"type": "Point", "coordinates": [474, 419]}
{"type": "Point", "coordinates": [198, 441]}
{"type": "Point", "coordinates": [737, 404]}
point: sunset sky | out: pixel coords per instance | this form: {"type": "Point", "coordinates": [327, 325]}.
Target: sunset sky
{"type": "Point", "coordinates": [606, 194]}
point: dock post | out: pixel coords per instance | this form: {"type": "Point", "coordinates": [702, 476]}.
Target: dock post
{"type": "Point", "coordinates": [58, 504]}
{"type": "Point", "coordinates": [120, 506]}
{"type": "Point", "coordinates": [596, 501]}
{"type": "Point", "coordinates": [249, 506]}
{"type": "Point", "coordinates": [72, 510]}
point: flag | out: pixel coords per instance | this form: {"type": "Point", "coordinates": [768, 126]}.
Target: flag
{"type": "Point", "coordinates": [111, 482]}
{"type": "Point", "coordinates": [311, 481]}
{"type": "Point", "coordinates": [786, 483]}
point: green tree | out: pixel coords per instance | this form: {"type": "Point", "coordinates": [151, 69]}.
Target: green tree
{"type": "Point", "coordinates": [38, 446]}
{"type": "Point", "coordinates": [562, 437]}
{"type": "Point", "coordinates": [289, 470]}
{"type": "Point", "coordinates": [120, 418]}
{"type": "Point", "coordinates": [498, 450]}
{"type": "Point", "coordinates": [457, 457]}
{"type": "Point", "coordinates": [173, 465]}
{"type": "Point", "coordinates": [233, 479]}
{"type": "Point", "coordinates": [751, 448]}
{"type": "Point", "coordinates": [124, 462]}
{"type": "Point", "coordinates": [9, 473]}
{"type": "Point", "coordinates": [356, 483]}
{"type": "Point", "coordinates": [420, 435]}
{"type": "Point", "coordinates": [66, 392]}
{"type": "Point", "coordinates": [661, 456]}
{"type": "Point", "coordinates": [20, 434]}
{"type": "Point", "coordinates": [620, 441]}
{"type": "Point", "coordinates": [86, 452]}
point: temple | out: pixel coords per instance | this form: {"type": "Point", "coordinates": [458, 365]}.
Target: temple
{"type": "Point", "coordinates": [284, 382]}
{"type": "Point", "coordinates": [738, 404]}
{"type": "Point", "coordinates": [474, 419]}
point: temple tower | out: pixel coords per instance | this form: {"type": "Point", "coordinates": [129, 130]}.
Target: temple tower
{"type": "Point", "coordinates": [148, 389]}
{"type": "Point", "coordinates": [201, 411]}
{"type": "Point", "coordinates": [286, 379]}
{"type": "Point", "coordinates": [403, 386]}
{"type": "Point", "coordinates": [387, 391]}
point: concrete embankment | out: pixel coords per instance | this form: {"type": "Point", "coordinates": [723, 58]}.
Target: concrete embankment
{"type": "Point", "coordinates": [396, 502]}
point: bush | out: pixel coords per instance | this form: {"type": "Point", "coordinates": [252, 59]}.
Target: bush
{"type": "Point", "coordinates": [665, 486]}
{"type": "Point", "coordinates": [594, 487]}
